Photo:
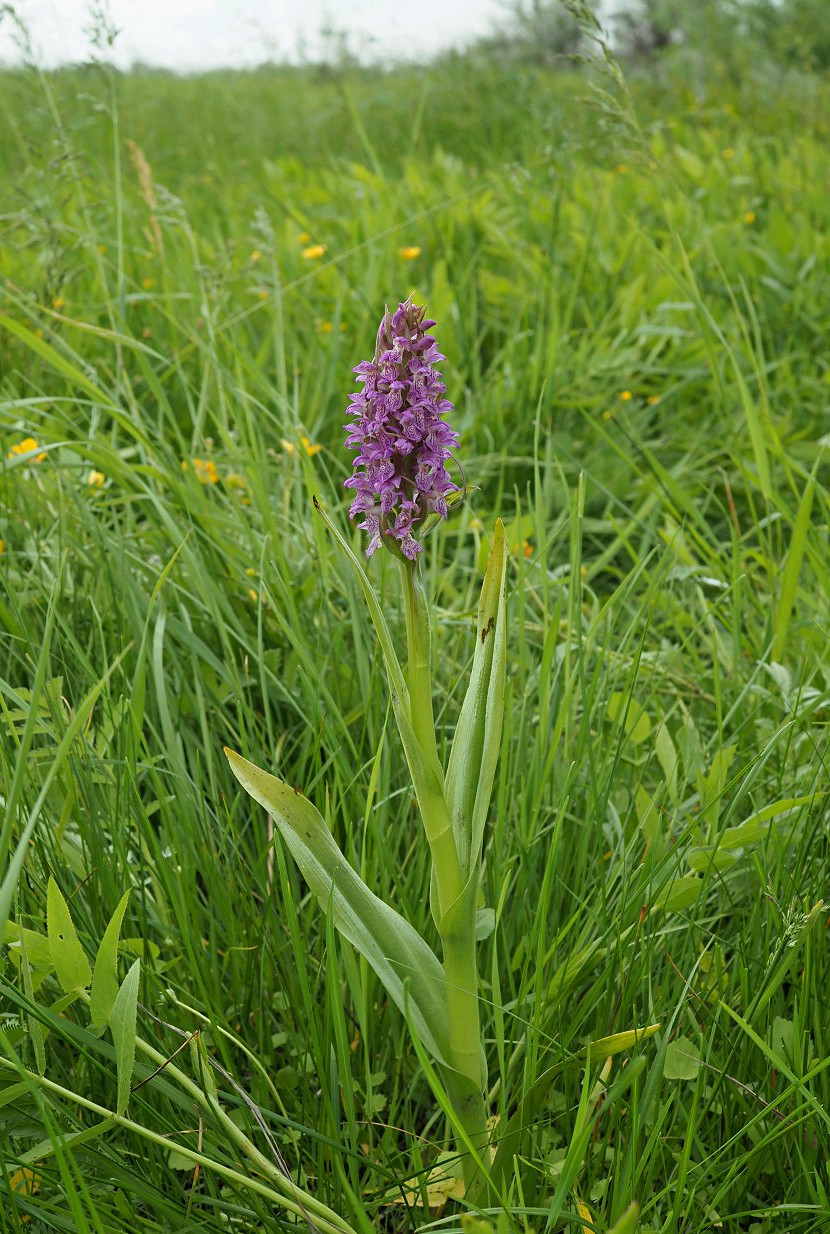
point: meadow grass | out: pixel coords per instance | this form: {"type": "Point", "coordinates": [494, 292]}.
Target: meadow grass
{"type": "Point", "coordinates": [634, 331]}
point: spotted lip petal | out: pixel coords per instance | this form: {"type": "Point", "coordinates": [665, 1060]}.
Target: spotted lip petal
{"type": "Point", "coordinates": [403, 443]}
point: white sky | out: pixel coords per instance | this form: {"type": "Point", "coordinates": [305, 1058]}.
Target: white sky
{"type": "Point", "coordinates": [194, 34]}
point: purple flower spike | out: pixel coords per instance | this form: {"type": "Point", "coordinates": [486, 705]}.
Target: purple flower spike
{"type": "Point", "coordinates": [400, 472]}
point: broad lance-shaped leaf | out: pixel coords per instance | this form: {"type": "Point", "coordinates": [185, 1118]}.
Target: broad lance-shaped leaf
{"type": "Point", "coordinates": [475, 748]}
{"type": "Point", "coordinates": [403, 961]}
{"type": "Point", "coordinates": [123, 1024]}
{"type": "Point", "coordinates": [70, 964]}
{"type": "Point", "coordinates": [105, 974]}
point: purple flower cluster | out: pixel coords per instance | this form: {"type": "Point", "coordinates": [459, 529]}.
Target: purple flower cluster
{"type": "Point", "coordinates": [403, 444]}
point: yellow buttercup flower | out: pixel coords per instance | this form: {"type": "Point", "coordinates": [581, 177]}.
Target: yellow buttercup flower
{"type": "Point", "coordinates": [303, 237]}
{"type": "Point", "coordinates": [313, 252]}
{"type": "Point", "coordinates": [311, 448]}
{"type": "Point", "coordinates": [2, 547]}
{"type": "Point", "coordinates": [148, 284]}
{"type": "Point", "coordinates": [625, 396]}
{"type": "Point", "coordinates": [96, 479]}
{"type": "Point", "coordinates": [749, 217]}
{"type": "Point", "coordinates": [256, 255]}
{"type": "Point", "coordinates": [204, 470]}
{"type": "Point", "coordinates": [622, 170]}
{"type": "Point", "coordinates": [58, 303]}
{"type": "Point", "coordinates": [26, 446]}
{"type": "Point", "coordinates": [326, 327]}
{"type": "Point", "coordinates": [410, 251]}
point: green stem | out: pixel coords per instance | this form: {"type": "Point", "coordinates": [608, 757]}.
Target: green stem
{"type": "Point", "coordinates": [455, 888]}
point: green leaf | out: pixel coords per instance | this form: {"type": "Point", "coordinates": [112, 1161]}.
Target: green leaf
{"type": "Point", "coordinates": [753, 829]}
{"type": "Point", "coordinates": [105, 976]}
{"type": "Point", "coordinates": [792, 570]}
{"type": "Point", "coordinates": [682, 1060]}
{"type": "Point", "coordinates": [68, 959]}
{"type": "Point", "coordinates": [679, 894]}
{"type": "Point", "coordinates": [406, 965]}
{"type": "Point", "coordinates": [475, 748]}
{"type": "Point", "coordinates": [667, 757]}
{"type": "Point", "coordinates": [633, 715]}
{"type": "Point", "coordinates": [123, 1025]}
{"type": "Point", "coordinates": [629, 1222]}
{"type": "Point", "coordinates": [38, 952]}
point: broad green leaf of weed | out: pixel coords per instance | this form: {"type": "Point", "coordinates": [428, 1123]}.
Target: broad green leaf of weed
{"type": "Point", "coordinates": [38, 951]}
{"type": "Point", "coordinates": [105, 976]}
{"type": "Point", "coordinates": [635, 719]}
{"type": "Point", "coordinates": [123, 1022]}
{"type": "Point", "coordinates": [792, 571]}
{"type": "Point", "coordinates": [682, 1060]}
{"type": "Point", "coordinates": [680, 894]}
{"type": "Point", "coordinates": [667, 757]}
{"type": "Point", "coordinates": [68, 959]}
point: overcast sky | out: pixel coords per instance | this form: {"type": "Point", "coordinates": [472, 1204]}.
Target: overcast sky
{"type": "Point", "coordinates": [193, 34]}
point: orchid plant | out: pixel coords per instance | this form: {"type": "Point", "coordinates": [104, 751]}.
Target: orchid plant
{"type": "Point", "coordinates": [402, 487]}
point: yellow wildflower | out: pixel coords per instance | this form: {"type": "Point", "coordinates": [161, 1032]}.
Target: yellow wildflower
{"type": "Point", "coordinates": [410, 251]}
{"type": "Point", "coordinates": [235, 480]}
{"type": "Point", "coordinates": [262, 293]}
{"type": "Point", "coordinates": [729, 153]}
{"type": "Point", "coordinates": [148, 284]}
{"type": "Point", "coordinates": [527, 548]}
{"type": "Point", "coordinates": [256, 596]}
{"type": "Point", "coordinates": [58, 303]}
{"type": "Point", "coordinates": [96, 479]}
{"type": "Point", "coordinates": [303, 237]}
{"type": "Point", "coordinates": [622, 170]}
{"type": "Point", "coordinates": [625, 396]}
{"type": "Point", "coordinates": [204, 470]}
{"type": "Point", "coordinates": [326, 327]}
{"type": "Point", "coordinates": [256, 255]}
{"type": "Point", "coordinates": [313, 252]}
{"type": "Point", "coordinates": [2, 547]}
{"type": "Point", "coordinates": [311, 448]}
{"type": "Point", "coordinates": [749, 217]}
{"type": "Point", "coordinates": [26, 446]}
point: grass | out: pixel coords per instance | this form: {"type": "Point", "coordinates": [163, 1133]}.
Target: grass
{"type": "Point", "coordinates": [635, 337]}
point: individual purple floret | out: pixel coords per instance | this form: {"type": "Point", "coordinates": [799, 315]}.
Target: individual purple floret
{"type": "Point", "coordinates": [403, 444]}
